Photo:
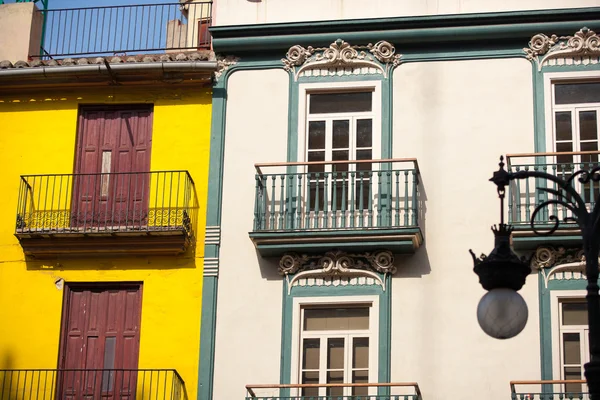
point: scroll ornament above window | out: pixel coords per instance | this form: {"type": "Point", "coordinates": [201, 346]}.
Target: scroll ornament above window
{"type": "Point", "coordinates": [559, 263]}
{"type": "Point", "coordinates": [340, 58]}
{"type": "Point", "coordinates": [580, 49]}
{"type": "Point", "coordinates": [337, 263]}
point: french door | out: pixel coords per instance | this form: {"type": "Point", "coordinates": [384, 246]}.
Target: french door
{"type": "Point", "coordinates": [339, 129]}
{"type": "Point", "coordinates": [111, 181]}
{"type": "Point", "coordinates": [100, 339]}
{"type": "Point", "coordinates": [576, 111]}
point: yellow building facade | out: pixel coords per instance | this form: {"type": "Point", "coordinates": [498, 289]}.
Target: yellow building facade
{"type": "Point", "coordinates": [39, 136]}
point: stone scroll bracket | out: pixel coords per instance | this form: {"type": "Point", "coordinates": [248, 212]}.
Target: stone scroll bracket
{"type": "Point", "coordinates": [340, 59]}
{"type": "Point", "coordinates": [581, 48]}
{"type": "Point", "coordinates": [559, 263]}
{"type": "Point", "coordinates": [375, 266]}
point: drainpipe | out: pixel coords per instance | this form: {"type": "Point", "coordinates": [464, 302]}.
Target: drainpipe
{"type": "Point", "coordinates": [99, 69]}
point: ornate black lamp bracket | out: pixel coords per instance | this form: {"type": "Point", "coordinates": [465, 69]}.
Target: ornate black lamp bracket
{"type": "Point", "coordinates": [502, 268]}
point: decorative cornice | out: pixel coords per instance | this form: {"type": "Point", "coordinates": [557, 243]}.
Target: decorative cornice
{"type": "Point", "coordinates": [223, 64]}
{"type": "Point", "coordinates": [340, 54]}
{"type": "Point", "coordinates": [585, 43]}
{"type": "Point", "coordinates": [550, 261]}
{"type": "Point", "coordinates": [548, 257]}
{"type": "Point", "coordinates": [337, 263]}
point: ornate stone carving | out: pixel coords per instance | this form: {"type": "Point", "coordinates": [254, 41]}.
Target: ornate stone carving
{"type": "Point", "coordinates": [548, 257]}
{"type": "Point", "coordinates": [585, 42]}
{"type": "Point", "coordinates": [559, 263]}
{"type": "Point", "coordinates": [337, 264]}
{"type": "Point", "coordinates": [223, 64]}
{"type": "Point", "coordinates": [381, 56]}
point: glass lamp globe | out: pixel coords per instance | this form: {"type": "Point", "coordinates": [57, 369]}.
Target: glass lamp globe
{"type": "Point", "coordinates": [502, 313]}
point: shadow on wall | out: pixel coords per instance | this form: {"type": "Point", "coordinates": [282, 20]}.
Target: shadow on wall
{"type": "Point", "coordinates": [113, 263]}
{"type": "Point", "coordinates": [268, 267]}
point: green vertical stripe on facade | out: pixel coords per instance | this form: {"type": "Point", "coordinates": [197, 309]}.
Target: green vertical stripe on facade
{"type": "Point", "coordinates": [213, 218]}
{"type": "Point", "coordinates": [207, 337]}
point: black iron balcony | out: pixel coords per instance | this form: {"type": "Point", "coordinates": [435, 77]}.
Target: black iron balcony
{"type": "Point", "coordinates": [524, 196]}
{"type": "Point", "coordinates": [549, 389]}
{"type": "Point", "coordinates": [134, 212]}
{"type": "Point", "coordinates": [131, 29]}
{"type": "Point", "coordinates": [54, 384]}
{"type": "Point", "coordinates": [343, 204]}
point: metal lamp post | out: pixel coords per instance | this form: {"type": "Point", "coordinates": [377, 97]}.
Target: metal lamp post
{"type": "Point", "coordinates": [504, 272]}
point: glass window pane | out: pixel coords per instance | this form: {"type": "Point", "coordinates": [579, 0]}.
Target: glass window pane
{"type": "Point", "coordinates": [341, 134]}
{"type": "Point", "coordinates": [571, 374]}
{"type": "Point", "coordinates": [360, 353]}
{"type": "Point", "coordinates": [310, 378]}
{"type": "Point", "coordinates": [335, 377]}
{"type": "Point", "coordinates": [564, 147]}
{"type": "Point", "coordinates": [364, 155]}
{"type": "Point", "coordinates": [324, 103]}
{"type": "Point", "coordinates": [336, 318]}
{"type": "Point", "coordinates": [563, 125]}
{"type": "Point", "coordinates": [360, 377]}
{"type": "Point", "coordinates": [588, 125]}
{"type": "Point", "coordinates": [316, 156]}
{"type": "Point", "coordinates": [574, 313]}
{"type": "Point", "coordinates": [572, 348]}
{"type": "Point", "coordinates": [335, 353]}
{"type": "Point", "coordinates": [587, 158]}
{"type": "Point", "coordinates": [316, 135]}
{"type": "Point", "coordinates": [574, 93]}
{"type": "Point", "coordinates": [364, 133]}
{"type": "Point", "coordinates": [310, 356]}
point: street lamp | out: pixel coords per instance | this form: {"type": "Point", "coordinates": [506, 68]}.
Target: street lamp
{"type": "Point", "coordinates": [504, 273]}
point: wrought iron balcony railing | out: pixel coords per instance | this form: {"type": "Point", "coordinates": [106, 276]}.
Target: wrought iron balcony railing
{"type": "Point", "coordinates": [337, 195]}
{"type": "Point", "coordinates": [105, 203]}
{"type": "Point", "coordinates": [55, 384]}
{"type": "Point", "coordinates": [549, 390]}
{"type": "Point", "coordinates": [130, 29]}
{"type": "Point", "coordinates": [524, 195]}
{"type": "Point", "coordinates": [336, 391]}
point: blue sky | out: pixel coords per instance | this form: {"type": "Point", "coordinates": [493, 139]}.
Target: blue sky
{"type": "Point", "coordinates": [99, 3]}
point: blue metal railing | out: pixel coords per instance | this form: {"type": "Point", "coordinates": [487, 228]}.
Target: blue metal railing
{"type": "Point", "coordinates": [130, 29]}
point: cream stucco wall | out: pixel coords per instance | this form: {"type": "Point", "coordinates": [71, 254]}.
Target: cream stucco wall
{"type": "Point", "coordinates": [233, 12]}
{"type": "Point", "coordinates": [20, 31]}
{"type": "Point", "coordinates": [248, 335]}
{"type": "Point", "coordinates": [457, 118]}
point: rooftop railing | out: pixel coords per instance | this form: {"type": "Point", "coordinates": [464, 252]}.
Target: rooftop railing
{"type": "Point", "coordinates": [103, 203]}
{"type": "Point", "coordinates": [55, 384]}
{"type": "Point", "coordinates": [549, 390]}
{"type": "Point", "coordinates": [126, 30]}
{"type": "Point", "coordinates": [336, 195]}
{"type": "Point", "coordinates": [524, 195]}
{"type": "Point", "coordinates": [336, 391]}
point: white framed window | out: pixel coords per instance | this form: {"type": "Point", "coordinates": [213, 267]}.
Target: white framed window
{"type": "Point", "coordinates": [340, 122]}
{"type": "Point", "coordinates": [570, 334]}
{"type": "Point", "coordinates": [573, 125]}
{"type": "Point", "coordinates": [573, 115]}
{"type": "Point", "coordinates": [335, 341]}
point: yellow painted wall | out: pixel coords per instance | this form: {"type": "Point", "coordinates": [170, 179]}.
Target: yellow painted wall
{"type": "Point", "coordinates": [37, 136]}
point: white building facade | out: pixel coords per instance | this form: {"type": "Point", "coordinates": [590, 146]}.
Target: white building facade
{"type": "Point", "coordinates": [351, 148]}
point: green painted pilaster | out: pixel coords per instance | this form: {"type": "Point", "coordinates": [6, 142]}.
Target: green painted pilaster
{"type": "Point", "coordinates": [213, 222]}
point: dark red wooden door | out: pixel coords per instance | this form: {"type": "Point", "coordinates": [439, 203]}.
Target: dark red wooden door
{"type": "Point", "coordinates": [111, 184]}
{"type": "Point", "coordinates": [101, 331]}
